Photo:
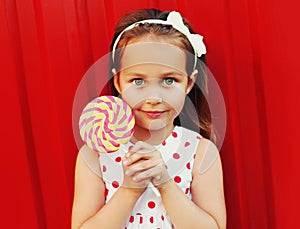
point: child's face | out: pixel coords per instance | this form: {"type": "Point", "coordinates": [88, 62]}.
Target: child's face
{"type": "Point", "coordinates": [154, 82]}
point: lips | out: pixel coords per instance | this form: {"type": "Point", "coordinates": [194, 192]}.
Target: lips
{"type": "Point", "coordinates": [153, 114]}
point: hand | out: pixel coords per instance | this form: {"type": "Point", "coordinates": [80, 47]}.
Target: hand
{"type": "Point", "coordinates": [144, 162]}
{"type": "Point", "coordinates": [137, 186]}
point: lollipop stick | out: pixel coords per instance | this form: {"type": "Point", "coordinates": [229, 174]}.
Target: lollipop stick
{"type": "Point", "coordinates": [155, 190]}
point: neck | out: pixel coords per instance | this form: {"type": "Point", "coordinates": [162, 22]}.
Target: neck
{"type": "Point", "coordinates": [152, 137]}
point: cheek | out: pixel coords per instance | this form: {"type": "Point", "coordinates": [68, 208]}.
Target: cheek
{"type": "Point", "coordinates": [175, 99]}
{"type": "Point", "coordinates": [131, 95]}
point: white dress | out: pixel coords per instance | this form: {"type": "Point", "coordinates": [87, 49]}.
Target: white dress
{"type": "Point", "coordinates": [178, 151]}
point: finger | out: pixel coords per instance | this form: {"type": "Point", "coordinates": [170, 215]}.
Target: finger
{"type": "Point", "coordinates": [140, 155]}
{"type": "Point", "coordinates": [148, 174]}
{"type": "Point", "coordinates": [140, 145]}
{"type": "Point", "coordinates": [140, 166]}
{"type": "Point", "coordinates": [127, 161]}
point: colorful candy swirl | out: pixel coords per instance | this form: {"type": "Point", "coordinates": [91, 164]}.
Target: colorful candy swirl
{"type": "Point", "coordinates": [105, 123]}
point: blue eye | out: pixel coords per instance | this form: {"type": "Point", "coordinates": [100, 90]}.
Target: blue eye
{"type": "Point", "coordinates": [138, 82]}
{"type": "Point", "coordinates": [169, 81]}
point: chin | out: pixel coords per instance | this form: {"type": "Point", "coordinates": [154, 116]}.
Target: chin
{"type": "Point", "coordinates": [156, 125]}
{"type": "Point", "coordinates": [152, 125]}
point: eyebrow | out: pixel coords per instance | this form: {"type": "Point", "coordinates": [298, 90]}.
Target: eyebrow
{"type": "Point", "coordinates": [130, 74]}
{"type": "Point", "coordinates": [166, 74]}
{"type": "Point", "coordinates": [174, 73]}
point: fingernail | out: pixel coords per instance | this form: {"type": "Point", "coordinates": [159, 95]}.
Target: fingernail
{"type": "Point", "coordinates": [125, 162]}
{"type": "Point", "coordinates": [127, 155]}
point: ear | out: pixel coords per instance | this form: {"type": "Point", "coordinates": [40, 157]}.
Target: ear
{"type": "Point", "coordinates": [191, 81]}
{"type": "Point", "coordinates": [116, 80]}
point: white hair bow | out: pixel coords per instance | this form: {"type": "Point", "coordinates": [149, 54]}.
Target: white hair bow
{"type": "Point", "coordinates": [196, 40]}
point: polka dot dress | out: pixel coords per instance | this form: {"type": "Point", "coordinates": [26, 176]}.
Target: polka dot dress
{"type": "Point", "coordinates": [178, 152]}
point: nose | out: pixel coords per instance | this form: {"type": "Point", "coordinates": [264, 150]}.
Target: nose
{"type": "Point", "coordinates": [153, 94]}
{"type": "Point", "coordinates": [153, 100]}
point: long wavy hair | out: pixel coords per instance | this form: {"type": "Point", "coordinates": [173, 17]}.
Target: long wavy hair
{"type": "Point", "coordinates": [201, 120]}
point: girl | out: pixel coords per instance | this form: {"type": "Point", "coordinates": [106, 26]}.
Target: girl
{"type": "Point", "coordinates": [154, 72]}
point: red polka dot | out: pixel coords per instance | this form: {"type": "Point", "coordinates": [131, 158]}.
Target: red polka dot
{"type": "Point", "coordinates": [176, 156]}
{"type": "Point", "coordinates": [115, 184]}
{"type": "Point", "coordinates": [174, 134]}
{"type": "Point", "coordinates": [188, 165]}
{"type": "Point", "coordinates": [104, 168]}
{"type": "Point", "coordinates": [151, 219]}
{"type": "Point", "coordinates": [131, 219]}
{"type": "Point", "coordinates": [164, 143]}
{"type": "Point", "coordinates": [198, 137]}
{"type": "Point", "coordinates": [166, 166]}
{"type": "Point", "coordinates": [130, 147]}
{"type": "Point", "coordinates": [151, 204]}
{"type": "Point", "coordinates": [177, 179]}
{"type": "Point", "coordinates": [141, 220]}
{"type": "Point", "coordinates": [118, 159]}
{"type": "Point", "coordinates": [186, 144]}
{"type": "Point", "coordinates": [194, 155]}
{"type": "Point", "coordinates": [162, 217]}
{"type": "Point", "coordinates": [187, 190]}
{"type": "Point", "coordinates": [106, 192]}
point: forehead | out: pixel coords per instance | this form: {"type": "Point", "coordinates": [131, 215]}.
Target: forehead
{"type": "Point", "coordinates": [154, 53]}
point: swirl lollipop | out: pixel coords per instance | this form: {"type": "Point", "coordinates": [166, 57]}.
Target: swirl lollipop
{"type": "Point", "coordinates": [106, 123]}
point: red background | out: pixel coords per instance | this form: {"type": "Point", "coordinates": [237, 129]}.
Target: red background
{"type": "Point", "coordinates": [47, 46]}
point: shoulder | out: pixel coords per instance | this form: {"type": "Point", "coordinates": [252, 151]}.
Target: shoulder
{"type": "Point", "coordinates": [90, 159]}
{"type": "Point", "coordinates": [207, 155]}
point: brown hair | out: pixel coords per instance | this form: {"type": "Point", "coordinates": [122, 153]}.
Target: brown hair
{"type": "Point", "coordinates": [202, 121]}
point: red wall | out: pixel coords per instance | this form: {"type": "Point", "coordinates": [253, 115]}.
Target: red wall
{"type": "Point", "coordinates": [47, 46]}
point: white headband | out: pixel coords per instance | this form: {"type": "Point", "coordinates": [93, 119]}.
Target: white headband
{"type": "Point", "coordinates": [175, 20]}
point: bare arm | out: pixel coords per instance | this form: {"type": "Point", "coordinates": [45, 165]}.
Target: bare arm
{"type": "Point", "coordinates": [89, 208]}
{"type": "Point", "coordinates": [207, 210]}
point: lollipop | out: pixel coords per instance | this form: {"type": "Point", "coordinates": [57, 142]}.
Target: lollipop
{"type": "Point", "coordinates": [106, 123]}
